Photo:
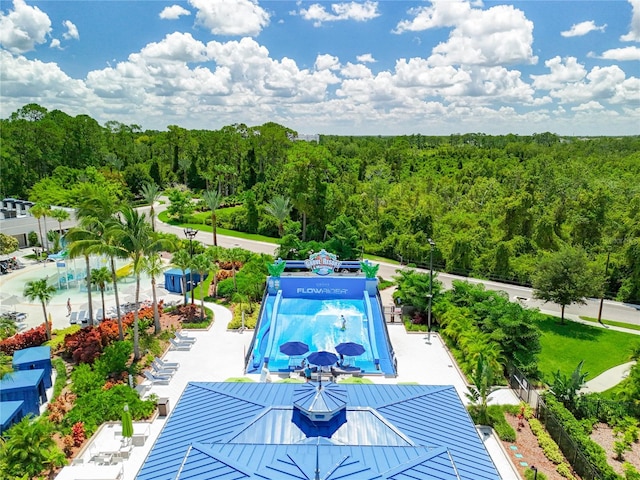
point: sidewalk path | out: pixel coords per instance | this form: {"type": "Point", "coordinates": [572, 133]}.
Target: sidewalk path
{"type": "Point", "coordinates": [608, 379]}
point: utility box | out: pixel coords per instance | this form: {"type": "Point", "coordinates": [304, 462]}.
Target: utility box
{"type": "Point", "coordinates": [163, 406]}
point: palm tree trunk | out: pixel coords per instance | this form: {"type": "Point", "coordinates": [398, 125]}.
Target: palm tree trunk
{"type": "Point", "coordinates": [214, 220]}
{"type": "Point", "coordinates": [47, 327]}
{"type": "Point", "coordinates": [115, 291]}
{"type": "Point", "coordinates": [184, 285]}
{"type": "Point", "coordinates": [136, 333]}
{"type": "Point", "coordinates": [156, 315]}
{"type": "Point", "coordinates": [46, 237]}
{"type": "Point", "coordinates": [104, 310]}
{"type": "Point", "coordinates": [86, 259]}
{"type": "Point", "coordinates": [152, 214]}
{"type": "Point", "coordinates": [40, 231]}
{"type": "Point", "coordinates": [202, 295]}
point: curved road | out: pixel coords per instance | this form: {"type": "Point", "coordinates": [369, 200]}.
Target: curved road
{"type": "Point", "coordinates": [611, 310]}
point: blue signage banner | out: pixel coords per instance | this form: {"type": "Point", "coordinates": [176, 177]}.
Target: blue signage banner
{"type": "Point", "coordinates": [326, 287]}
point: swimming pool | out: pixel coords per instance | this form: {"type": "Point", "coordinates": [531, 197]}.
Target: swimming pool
{"type": "Point", "coordinates": [318, 323]}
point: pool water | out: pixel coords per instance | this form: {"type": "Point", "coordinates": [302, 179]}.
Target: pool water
{"type": "Point", "coordinates": [318, 324]}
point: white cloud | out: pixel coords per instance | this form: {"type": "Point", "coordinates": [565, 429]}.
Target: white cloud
{"type": "Point", "coordinates": [500, 35]}
{"type": "Point", "coordinates": [55, 43]}
{"type": "Point", "coordinates": [72, 31]}
{"type": "Point", "coordinates": [622, 54]}
{"type": "Point", "coordinates": [176, 47]}
{"type": "Point", "coordinates": [351, 70]}
{"type": "Point", "coordinates": [23, 28]}
{"type": "Point", "coordinates": [591, 106]}
{"type": "Point", "coordinates": [562, 72]}
{"type": "Point", "coordinates": [173, 12]}
{"type": "Point", "coordinates": [627, 92]}
{"type": "Point", "coordinates": [327, 62]}
{"type": "Point", "coordinates": [366, 58]}
{"type": "Point", "coordinates": [359, 12]}
{"type": "Point", "coordinates": [634, 30]}
{"type": "Point", "coordinates": [231, 17]}
{"type": "Point", "coordinates": [601, 83]}
{"type": "Point", "coordinates": [580, 29]}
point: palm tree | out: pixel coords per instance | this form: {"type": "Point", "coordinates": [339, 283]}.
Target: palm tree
{"type": "Point", "coordinates": [29, 449]}
{"type": "Point", "coordinates": [234, 255]}
{"type": "Point", "coordinates": [82, 242]}
{"type": "Point", "coordinates": [201, 264]}
{"type": "Point", "coordinates": [182, 260]}
{"type": "Point", "coordinates": [279, 207]}
{"type": "Point", "coordinates": [136, 239]}
{"type": "Point", "coordinates": [100, 278]}
{"type": "Point", "coordinates": [151, 193]}
{"type": "Point", "coordinates": [214, 253]}
{"type": "Point", "coordinates": [213, 200]}
{"type": "Point", "coordinates": [40, 210]}
{"type": "Point", "coordinates": [40, 290]}
{"type": "Point", "coordinates": [60, 215]}
{"type": "Point", "coordinates": [153, 266]}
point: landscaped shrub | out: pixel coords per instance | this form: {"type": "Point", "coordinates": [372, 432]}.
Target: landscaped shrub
{"type": "Point", "coordinates": [114, 360]}
{"type": "Point", "coordinates": [61, 376]}
{"type": "Point", "coordinates": [530, 475]}
{"type": "Point", "coordinates": [31, 338]}
{"type": "Point", "coordinates": [594, 452]}
{"type": "Point", "coordinates": [250, 319]}
{"type": "Point", "coordinates": [549, 447]}
{"type": "Point", "coordinates": [497, 420]}
{"type": "Point", "coordinates": [630, 472]}
{"type": "Point", "coordinates": [564, 470]}
{"type": "Point", "coordinates": [84, 379]}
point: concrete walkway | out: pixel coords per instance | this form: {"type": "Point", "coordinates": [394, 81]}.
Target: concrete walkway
{"type": "Point", "coordinates": [608, 379]}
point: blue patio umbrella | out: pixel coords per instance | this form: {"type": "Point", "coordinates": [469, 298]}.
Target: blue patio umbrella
{"type": "Point", "coordinates": [294, 348]}
{"type": "Point", "coordinates": [322, 358]}
{"type": "Point", "coordinates": [350, 349]}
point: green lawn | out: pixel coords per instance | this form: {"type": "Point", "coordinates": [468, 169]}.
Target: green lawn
{"type": "Point", "coordinates": [613, 323]}
{"type": "Point", "coordinates": [564, 346]}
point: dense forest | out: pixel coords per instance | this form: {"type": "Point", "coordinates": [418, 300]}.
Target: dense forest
{"type": "Point", "coordinates": [494, 205]}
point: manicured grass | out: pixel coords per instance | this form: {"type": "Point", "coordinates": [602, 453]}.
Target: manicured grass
{"type": "Point", "coordinates": [613, 323]}
{"type": "Point", "coordinates": [564, 346]}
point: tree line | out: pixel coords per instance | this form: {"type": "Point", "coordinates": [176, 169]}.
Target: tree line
{"type": "Point", "coordinates": [494, 205]}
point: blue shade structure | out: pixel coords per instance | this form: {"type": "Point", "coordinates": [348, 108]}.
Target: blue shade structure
{"type": "Point", "coordinates": [350, 349]}
{"type": "Point", "coordinates": [294, 348]}
{"type": "Point", "coordinates": [322, 358]}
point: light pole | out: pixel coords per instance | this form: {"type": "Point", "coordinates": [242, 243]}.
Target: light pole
{"type": "Point", "coordinates": [190, 233]}
{"type": "Point", "coordinates": [431, 244]}
{"type": "Point", "coordinates": [535, 472]}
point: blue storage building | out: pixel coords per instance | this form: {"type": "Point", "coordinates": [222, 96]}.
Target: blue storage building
{"type": "Point", "coordinates": [33, 358]}
{"type": "Point", "coordinates": [283, 431]}
{"type": "Point", "coordinates": [25, 385]}
{"type": "Point", "coordinates": [10, 413]}
{"type": "Point", "coordinates": [173, 280]}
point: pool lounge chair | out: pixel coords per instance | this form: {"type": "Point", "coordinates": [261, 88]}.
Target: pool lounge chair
{"type": "Point", "coordinates": [162, 372]}
{"type": "Point", "coordinates": [163, 364]}
{"type": "Point", "coordinates": [177, 345]}
{"type": "Point", "coordinates": [156, 379]}
{"type": "Point", "coordinates": [181, 337]}
{"type": "Point", "coordinates": [159, 365]}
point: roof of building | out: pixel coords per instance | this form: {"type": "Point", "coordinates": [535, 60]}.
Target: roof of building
{"type": "Point", "coordinates": [264, 431]}
{"type": "Point", "coordinates": [21, 379]}
{"type": "Point", "coordinates": [32, 354]}
{"type": "Point", "coordinates": [9, 411]}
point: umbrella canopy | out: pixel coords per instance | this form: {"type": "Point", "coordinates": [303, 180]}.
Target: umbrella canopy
{"type": "Point", "coordinates": [294, 348]}
{"type": "Point", "coordinates": [350, 349]}
{"type": "Point", "coordinates": [11, 301]}
{"type": "Point", "coordinates": [322, 358]}
{"type": "Point", "coordinates": [127, 423]}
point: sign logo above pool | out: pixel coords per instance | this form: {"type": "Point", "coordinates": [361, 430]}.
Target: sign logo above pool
{"type": "Point", "coordinates": [322, 263]}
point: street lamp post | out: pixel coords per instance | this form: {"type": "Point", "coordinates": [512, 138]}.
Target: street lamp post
{"type": "Point", "coordinates": [431, 244]}
{"type": "Point", "coordinates": [535, 472]}
{"type": "Point", "coordinates": [190, 233]}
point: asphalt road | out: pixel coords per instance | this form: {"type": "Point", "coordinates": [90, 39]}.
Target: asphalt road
{"type": "Point", "coordinates": [611, 310]}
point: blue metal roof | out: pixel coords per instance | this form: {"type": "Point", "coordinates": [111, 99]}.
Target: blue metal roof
{"type": "Point", "coordinates": [249, 430]}
{"type": "Point", "coordinates": [21, 379]}
{"type": "Point", "coordinates": [10, 412]}
{"type": "Point", "coordinates": [32, 354]}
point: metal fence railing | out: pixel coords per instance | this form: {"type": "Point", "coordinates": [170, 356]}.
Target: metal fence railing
{"type": "Point", "coordinates": [571, 451]}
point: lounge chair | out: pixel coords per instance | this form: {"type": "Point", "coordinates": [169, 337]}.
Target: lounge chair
{"type": "Point", "coordinates": [155, 379]}
{"type": "Point", "coordinates": [185, 338]}
{"type": "Point", "coordinates": [162, 372]}
{"type": "Point", "coordinates": [176, 345]}
{"type": "Point", "coordinates": [164, 364]}
{"type": "Point", "coordinates": [142, 388]}
{"type": "Point", "coordinates": [74, 318]}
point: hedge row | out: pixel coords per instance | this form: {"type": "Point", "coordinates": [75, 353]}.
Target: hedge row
{"type": "Point", "coordinates": [596, 455]}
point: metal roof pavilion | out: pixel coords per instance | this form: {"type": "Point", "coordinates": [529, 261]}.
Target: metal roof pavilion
{"type": "Point", "coordinates": [264, 431]}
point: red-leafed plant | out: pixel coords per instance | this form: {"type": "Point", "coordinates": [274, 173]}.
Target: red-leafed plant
{"type": "Point", "coordinates": [31, 338]}
{"type": "Point", "coordinates": [78, 434]}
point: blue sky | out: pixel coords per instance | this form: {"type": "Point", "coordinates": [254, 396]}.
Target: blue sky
{"type": "Point", "coordinates": [348, 68]}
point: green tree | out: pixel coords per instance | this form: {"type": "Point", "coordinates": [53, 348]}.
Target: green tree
{"type": "Point", "coordinates": [213, 199]}
{"type": "Point", "coordinates": [201, 263]}
{"type": "Point", "coordinates": [180, 206]}
{"type": "Point", "coordinates": [565, 388]}
{"type": "Point", "coordinates": [482, 378]}
{"type": "Point", "coordinates": [564, 278]}
{"type": "Point", "coordinates": [43, 292]}
{"type": "Point", "coordinates": [279, 207]}
{"type": "Point", "coordinates": [413, 288]}
{"type": "Point", "coordinates": [101, 277]}
{"type": "Point", "coordinates": [60, 216]}
{"type": "Point", "coordinates": [29, 449]}
{"type": "Point", "coordinates": [40, 210]}
{"type": "Point", "coordinates": [8, 244]}
{"type": "Point", "coordinates": [151, 193]}
{"type": "Point", "coordinates": [6, 362]}
{"type": "Point", "coordinates": [154, 267]}
{"type": "Point", "coordinates": [136, 240]}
